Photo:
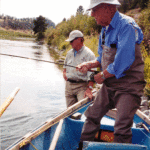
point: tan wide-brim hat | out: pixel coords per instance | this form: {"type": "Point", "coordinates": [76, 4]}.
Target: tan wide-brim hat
{"type": "Point", "coordinates": [74, 34]}
{"type": "Point", "coordinates": [94, 3]}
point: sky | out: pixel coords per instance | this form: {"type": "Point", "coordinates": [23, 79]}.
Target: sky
{"type": "Point", "coordinates": [55, 10]}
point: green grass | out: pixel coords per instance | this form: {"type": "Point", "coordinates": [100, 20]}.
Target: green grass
{"type": "Point", "coordinates": [90, 41]}
{"type": "Point", "coordinates": [12, 35]}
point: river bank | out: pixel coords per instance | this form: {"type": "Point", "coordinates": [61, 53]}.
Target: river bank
{"type": "Point", "coordinates": [9, 34]}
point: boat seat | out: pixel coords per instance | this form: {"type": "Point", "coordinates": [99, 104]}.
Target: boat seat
{"type": "Point", "coordinates": [111, 146]}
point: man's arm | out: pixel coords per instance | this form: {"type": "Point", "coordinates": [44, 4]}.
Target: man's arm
{"type": "Point", "coordinates": [64, 74]}
{"type": "Point", "coordinates": [100, 77]}
{"type": "Point", "coordinates": [88, 92]}
{"type": "Point", "coordinates": [84, 67]}
{"type": "Point", "coordinates": [125, 54]}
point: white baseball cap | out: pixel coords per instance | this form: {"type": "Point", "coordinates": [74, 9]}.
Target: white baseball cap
{"type": "Point", "coordinates": [94, 3]}
{"type": "Point", "coordinates": [74, 34]}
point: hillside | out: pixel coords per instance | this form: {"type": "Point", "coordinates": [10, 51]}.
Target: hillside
{"type": "Point", "coordinates": [9, 22]}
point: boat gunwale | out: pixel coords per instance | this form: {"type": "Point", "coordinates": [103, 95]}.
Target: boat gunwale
{"type": "Point", "coordinates": [66, 113]}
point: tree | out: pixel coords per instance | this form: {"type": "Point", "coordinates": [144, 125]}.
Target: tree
{"type": "Point", "coordinates": [143, 3]}
{"type": "Point", "coordinates": [40, 27]}
{"type": "Point", "coordinates": [80, 10]}
{"type": "Point", "coordinates": [64, 19]}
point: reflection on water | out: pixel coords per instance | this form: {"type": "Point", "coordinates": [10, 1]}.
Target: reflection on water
{"type": "Point", "coordinates": [38, 52]}
{"type": "Point", "coordinates": [41, 94]}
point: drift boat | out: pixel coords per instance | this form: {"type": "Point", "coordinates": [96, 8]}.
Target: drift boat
{"type": "Point", "coordinates": [63, 132]}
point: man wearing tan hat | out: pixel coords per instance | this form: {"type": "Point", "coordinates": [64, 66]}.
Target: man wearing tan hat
{"type": "Point", "coordinates": [78, 85]}
{"type": "Point", "coordinates": [122, 75]}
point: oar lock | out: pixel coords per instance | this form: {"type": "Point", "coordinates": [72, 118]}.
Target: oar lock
{"type": "Point", "coordinates": [142, 125]}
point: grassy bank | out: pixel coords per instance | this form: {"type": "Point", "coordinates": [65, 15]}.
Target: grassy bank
{"type": "Point", "coordinates": [12, 34]}
{"type": "Point", "coordinates": [90, 41]}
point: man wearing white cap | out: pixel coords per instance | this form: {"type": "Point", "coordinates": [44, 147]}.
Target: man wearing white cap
{"type": "Point", "coordinates": [78, 85]}
{"type": "Point", "coordinates": [122, 75]}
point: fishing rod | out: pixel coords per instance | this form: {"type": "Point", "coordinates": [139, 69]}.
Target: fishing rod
{"type": "Point", "coordinates": [36, 59]}
{"type": "Point", "coordinates": [44, 61]}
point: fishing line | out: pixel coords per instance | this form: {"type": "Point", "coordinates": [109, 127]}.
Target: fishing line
{"type": "Point", "coordinates": [44, 61]}
{"type": "Point", "coordinates": [36, 59]}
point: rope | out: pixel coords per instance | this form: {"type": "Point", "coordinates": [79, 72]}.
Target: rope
{"type": "Point", "coordinates": [33, 146]}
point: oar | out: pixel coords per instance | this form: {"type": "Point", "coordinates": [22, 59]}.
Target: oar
{"type": "Point", "coordinates": [56, 135]}
{"type": "Point", "coordinates": [143, 116]}
{"type": "Point", "coordinates": [70, 110]}
{"type": "Point", "coordinates": [8, 101]}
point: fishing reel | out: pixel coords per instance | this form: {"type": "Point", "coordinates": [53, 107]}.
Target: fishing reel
{"type": "Point", "coordinates": [92, 75]}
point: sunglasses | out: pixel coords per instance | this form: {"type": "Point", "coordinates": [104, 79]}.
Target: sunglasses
{"type": "Point", "coordinates": [73, 40]}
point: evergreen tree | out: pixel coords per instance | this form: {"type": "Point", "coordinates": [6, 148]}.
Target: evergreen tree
{"type": "Point", "coordinates": [80, 10]}
{"type": "Point", "coordinates": [143, 3]}
{"type": "Point", "coordinates": [40, 27]}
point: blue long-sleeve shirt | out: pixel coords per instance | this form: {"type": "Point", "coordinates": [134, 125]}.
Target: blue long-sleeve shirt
{"type": "Point", "coordinates": [124, 33]}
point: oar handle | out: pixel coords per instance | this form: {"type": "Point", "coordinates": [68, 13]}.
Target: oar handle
{"type": "Point", "coordinates": [56, 135]}
{"type": "Point", "coordinates": [8, 101]}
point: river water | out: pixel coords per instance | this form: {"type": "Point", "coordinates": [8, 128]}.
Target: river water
{"type": "Point", "coordinates": [41, 84]}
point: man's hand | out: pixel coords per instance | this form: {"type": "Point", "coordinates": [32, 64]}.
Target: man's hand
{"type": "Point", "coordinates": [64, 75]}
{"type": "Point", "coordinates": [83, 67]}
{"type": "Point", "coordinates": [86, 66]}
{"type": "Point", "coordinates": [88, 93]}
{"type": "Point", "coordinates": [98, 78]}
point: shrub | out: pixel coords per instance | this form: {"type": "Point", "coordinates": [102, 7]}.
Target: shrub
{"type": "Point", "coordinates": [50, 36]}
{"type": "Point", "coordinates": [145, 26]}
{"type": "Point", "coordinates": [146, 69]}
{"type": "Point", "coordinates": [84, 23]}
{"type": "Point", "coordinates": [143, 3]}
{"type": "Point", "coordinates": [63, 45]}
{"type": "Point", "coordinates": [92, 43]}
{"type": "Point", "coordinates": [147, 76]}
{"type": "Point", "coordinates": [131, 4]}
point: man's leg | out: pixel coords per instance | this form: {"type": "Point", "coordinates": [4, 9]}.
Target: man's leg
{"type": "Point", "coordinates": [74, 92]}
{"type": "Point", "coordinates": [70, 97]}
{"type": "Point", "coordinates": [94, 113]}
{"type": "Point", "coordinates": [126, 105]}
{"type": "Point", "coordinates": [80, 90]}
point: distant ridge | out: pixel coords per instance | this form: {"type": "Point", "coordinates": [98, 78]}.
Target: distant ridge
{"type": "Point", "coordinates": [21, 23]}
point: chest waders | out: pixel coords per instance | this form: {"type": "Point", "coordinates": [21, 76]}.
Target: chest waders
{"type": "Point", "coordinates": [133, 81]}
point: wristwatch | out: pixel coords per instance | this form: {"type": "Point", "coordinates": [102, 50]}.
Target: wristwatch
{"type": "Point", "coordinates": [103, 77]}
{"type": "Point", "coordinates": [90, 87]}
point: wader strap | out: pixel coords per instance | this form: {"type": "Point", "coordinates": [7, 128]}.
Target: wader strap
{"type": "Point", "coordinates": [103, 37]}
